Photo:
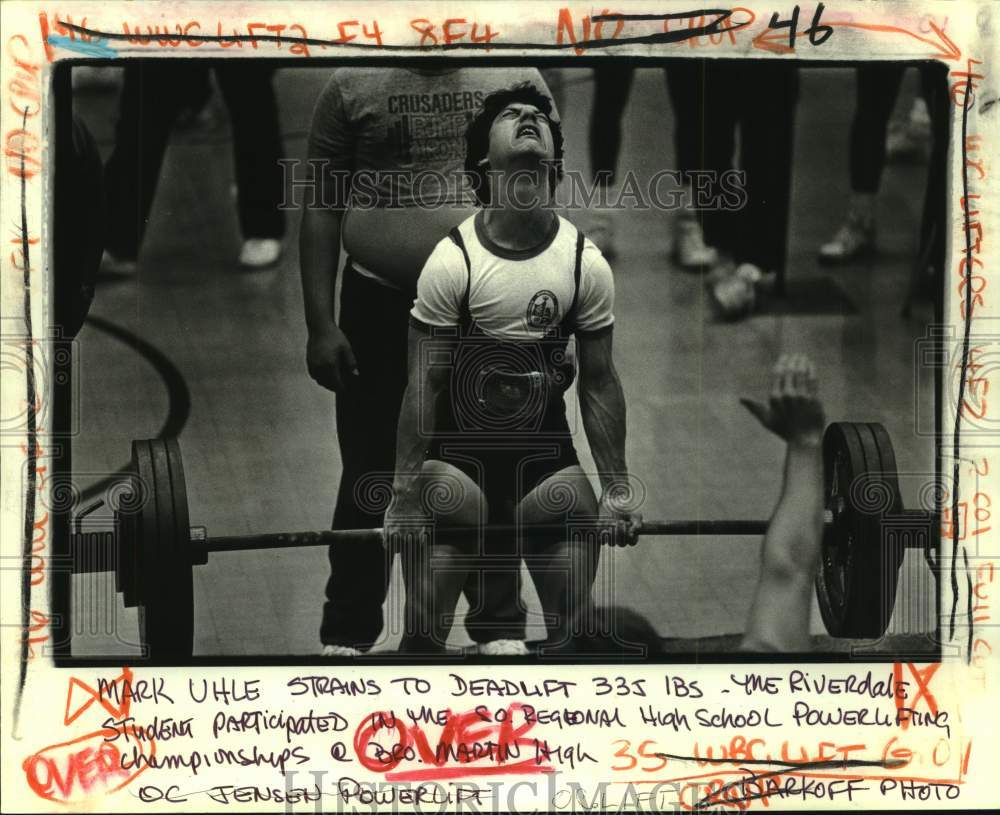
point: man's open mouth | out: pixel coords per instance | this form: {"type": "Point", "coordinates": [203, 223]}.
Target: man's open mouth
{"type": "Point", "coordinates": [529, 130]}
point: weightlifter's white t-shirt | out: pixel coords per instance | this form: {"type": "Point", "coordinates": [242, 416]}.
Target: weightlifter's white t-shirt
{"type": "Point", "coordinates": [515, 295]}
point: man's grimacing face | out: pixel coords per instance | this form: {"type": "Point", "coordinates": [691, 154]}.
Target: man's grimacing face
{"type": "Point", "coordinates": [520, 129]}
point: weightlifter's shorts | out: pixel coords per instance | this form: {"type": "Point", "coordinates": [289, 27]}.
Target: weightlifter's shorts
{"type": "Point", "coordinates": [505, 465]}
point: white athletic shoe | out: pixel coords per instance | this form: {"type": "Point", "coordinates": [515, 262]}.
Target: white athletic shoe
{"type": "Point", "coordinates": [504, 648]}
{"type": "Point", "coordinates": [258, 253]}
{"type": "Point", "coordinates": [910, 139]}
{"type": "Point", "coordinates": [761, 281]}
{"type": "Point", "coordinates": [734, 292]}
{"type": "Point", "coordinates": [690, 250]}
{"type": "Point", "coordinates": [920, 116]}
{"type": "Point", "coordinates": [339, 651]}
{"type": "Point", "coordinates": [856, 238]}
{"type": "Point", "coordinates": [732, 296]}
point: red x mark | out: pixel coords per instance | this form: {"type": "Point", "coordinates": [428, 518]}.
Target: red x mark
{"type": "Point", "coordinates": [923, 680]}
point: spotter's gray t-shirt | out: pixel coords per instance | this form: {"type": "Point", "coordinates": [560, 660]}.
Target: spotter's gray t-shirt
{"type": "Point", "coordinates": [373, 120]}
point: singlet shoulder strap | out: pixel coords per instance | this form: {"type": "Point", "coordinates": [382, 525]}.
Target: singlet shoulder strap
{"type": "Point", "coordinates": [464, 313]}
{"type": "Point", "coordinates": [570, 321]}
{"type": "Point", "coordinates": [456, 238]}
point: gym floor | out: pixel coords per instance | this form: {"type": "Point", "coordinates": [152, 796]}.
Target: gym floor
{"type": "Point", "coordinates": [259, 444]}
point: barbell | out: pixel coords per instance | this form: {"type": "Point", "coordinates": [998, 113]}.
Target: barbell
{"type": "Point", "coordinates": [153, 548]}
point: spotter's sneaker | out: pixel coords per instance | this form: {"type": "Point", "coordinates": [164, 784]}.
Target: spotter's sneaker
{"type": "Point", "coordinates": [258, 253]}
{"type": "Point", "coordinates": [339, 651]}
{"type": "Point", "coordinates": [690, 250]}
{"type": "Point", "coordinates": [855, 239]}
{"type": "Point", "coordinates": [504, 648]}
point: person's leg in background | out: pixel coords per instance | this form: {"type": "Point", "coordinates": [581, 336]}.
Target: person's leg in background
{"type": "Point", "coordinates": [248, 90]}
{"type": "Point", "coordinates": [375, 319]}
{"type": "Point", "coordinates": [686, 86]}
{"type": "Point", "coordinates": [929, 272]}
{"type": "Point", "coordinates": [78, 225]}
{"type": "Point", "coordinates": [555, 80]}
{"type": "Point", "coordinates": [768, 96]}
{"type": "Point", "coordinates": [153, 93]}
{"type": "Point", "coordinates": [878, 87]}
{"type": "Point", "coordinates": [197, 112]}
{"type": "Point", "coordinates": [908, 137]}
{"type": "Point", "coordinates": [611, 88]}
{"type": "Point", "coordinates": [717, 109]}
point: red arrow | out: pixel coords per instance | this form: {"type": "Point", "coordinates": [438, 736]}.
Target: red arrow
{"type": "Point", "coordinates": [948, 49]}
{"type": "Point", "coordinates": [776, 40]}
{"type": "Point", "coordinates": [74, 708]}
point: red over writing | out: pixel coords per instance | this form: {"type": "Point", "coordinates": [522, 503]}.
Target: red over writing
{"type": "Point", "coordinates": [474, 743]}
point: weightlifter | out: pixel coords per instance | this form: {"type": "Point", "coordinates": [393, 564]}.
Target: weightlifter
{"type": "Point", "coordinates": [381, 137]}
{"type": "Point", "coordinates": [483, 428]}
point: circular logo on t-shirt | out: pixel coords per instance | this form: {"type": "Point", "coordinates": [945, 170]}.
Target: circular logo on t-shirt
{"type": "Point", "coordinates": [543, 308]}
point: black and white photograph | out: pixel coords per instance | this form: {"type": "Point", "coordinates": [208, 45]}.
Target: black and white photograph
{"type": "Point", "coordinates": [609, 359]}
{"type": "Point", "coordinates": [498, 407]}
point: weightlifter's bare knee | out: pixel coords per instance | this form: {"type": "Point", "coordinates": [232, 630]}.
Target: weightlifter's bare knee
{"type": "Point", "coordinates": [450, 496]}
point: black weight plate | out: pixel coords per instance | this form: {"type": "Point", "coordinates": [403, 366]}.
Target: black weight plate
{"type": "Point", "coordinates": [181, 558]}
{"type": "Point", "coordinates": [890, 474]}
{"type": "Point", "coordinates": [156, 596]}
{"type": "Point", "coordinates": [147, 537]}
{"type": "Point", "coordinates": [116, 526]}
{"type": "Point", "coordinates": [856, 583]}
{"type": "Point", "coordinates": [169, 608]}
{"type": "Point", "coordinates": [842, 460]}
{"type": "Point", "coordinates": [126, 523]}
{"type": "Point", "coordinates": [123, 549]}
{"type": "Point", "coordinates": [128, 551]}
{"type": "Point", "coordinates": [876, 569]}
{"type": "Point", "coordinates": [182, 519]}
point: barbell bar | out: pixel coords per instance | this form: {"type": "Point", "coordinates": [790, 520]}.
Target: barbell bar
{"type": "Point", "coordinates": [152, 548]}
{"type": "Point", "coordinates": [92, 551]}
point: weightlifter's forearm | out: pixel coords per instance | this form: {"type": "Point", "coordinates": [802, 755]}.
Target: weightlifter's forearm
{"type": "Point", "coordinates": [792, 542]}
{"type": "Point", "coordinates": [319, 256]}
{"type": "Point", "coordinates": [602, 406]}
{"type": "Point", "coordinates": [416, 425]}
{"type": "Point", "coordinates": [779, 615]}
